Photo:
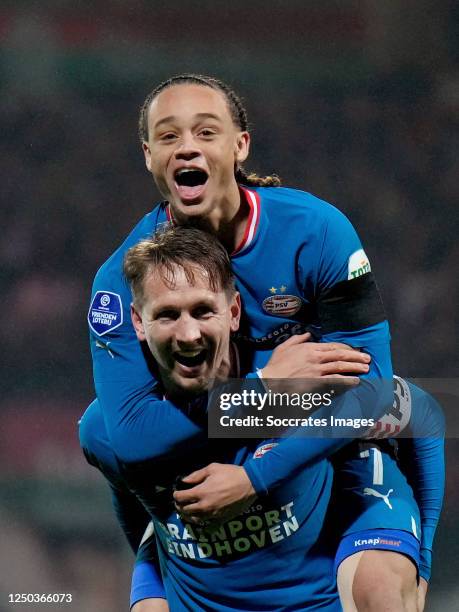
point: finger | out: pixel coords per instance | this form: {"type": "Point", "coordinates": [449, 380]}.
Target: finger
{"type": "Point", "coordinates": [190, 508]}
{"type": "Point", "coordinates": [350, 369]}
{"type": "Point", "coordinates": [195, 519]}
{"type": "Point", "coordinates": [297, 339]}
{"type": "Point", "coordinates": [348, 355]}
{"type": "Point", "coordinates": [193, 510]}
{"type": "Point", "coordinates": [330, 346]}
{"type": "Point", "coordinates": [187, 496]}
{"type": "Point", "coordinates": [197, 476]}
{"type": "Point", "coordinates": [343, 380]}
{"type": "Point", "coordinates": [343, 367]}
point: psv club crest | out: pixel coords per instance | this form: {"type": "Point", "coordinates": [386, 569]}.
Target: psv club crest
{"type": "Point", "coordinates": [281, 304]}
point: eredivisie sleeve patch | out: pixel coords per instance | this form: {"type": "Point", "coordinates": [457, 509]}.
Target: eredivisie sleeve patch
{"type": "Point", "coordinates": [105, 312]}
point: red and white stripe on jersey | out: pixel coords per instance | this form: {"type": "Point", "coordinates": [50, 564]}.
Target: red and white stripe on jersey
{"type": "Point", "coordinates": [253, 200]}
{"type": "Point", "coordinates": [169, 216]}
{"type": "Point", "coordinates": [383, 430]}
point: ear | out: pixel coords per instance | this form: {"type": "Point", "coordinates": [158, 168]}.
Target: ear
{"type": "Point", "coordinates": [235, 309]}
{"type": "Point", "coordinates": [136, 318]}
{"type": "Point", "coordinates": [242, 147]}
{"type": "Point", "coordinates": [147, 153]}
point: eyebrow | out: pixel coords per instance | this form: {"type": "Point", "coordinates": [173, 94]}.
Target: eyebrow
{"type": "Point", "coordinates": [172, 118]}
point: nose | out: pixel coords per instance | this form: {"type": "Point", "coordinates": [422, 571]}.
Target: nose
{"type": "Point", "coordinates": [187, 149]}
{"type": "Point", "coordinates": [187, 331]}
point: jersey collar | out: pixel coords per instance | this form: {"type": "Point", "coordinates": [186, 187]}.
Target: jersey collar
{"type": "Point", "coordinates": [169, 216]}
{"type": "Point", "coordinates": [253, 200]}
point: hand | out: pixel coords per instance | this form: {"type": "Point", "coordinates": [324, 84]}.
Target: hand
{"type": "Point", "coordinates": [297, 357]}
{"type": "Point", "coordinates": [156, 604]}
{"type": "Point", "coordinates": [422, 593]}
{"type": "Point", "coordinates": [221, 493]}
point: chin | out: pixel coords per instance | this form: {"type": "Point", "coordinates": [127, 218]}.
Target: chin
{"type": "Point", "coordinates": [192, 386]}
{"type": "Point", "coordinates": [193, 208]}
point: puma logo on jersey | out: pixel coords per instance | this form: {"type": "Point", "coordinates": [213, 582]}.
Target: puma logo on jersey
{"type": "Point", "coordinates": [104, 346]}
{"type": "Point", "coordinates": [369, 491]}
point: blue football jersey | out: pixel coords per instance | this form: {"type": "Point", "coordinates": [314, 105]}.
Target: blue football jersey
{"type": "Point", "coordinates": [300, 264]}
{"type": "Point", "coordinates": [413, 413]}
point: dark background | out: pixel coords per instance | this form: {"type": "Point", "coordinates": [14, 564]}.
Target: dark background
{"type": "Point", "coordinates": [356, 102]}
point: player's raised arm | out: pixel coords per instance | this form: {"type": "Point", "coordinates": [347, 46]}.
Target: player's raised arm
{"type": "Point", "coordinates": [422, 460]}
{"type": "Point", "coordinates": [349, 310]}
{"type": "Point", "coordinates": [349, 306]}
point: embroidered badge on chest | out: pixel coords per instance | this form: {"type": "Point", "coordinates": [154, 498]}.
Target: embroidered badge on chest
{"type": "Point", "coordinates": [281, 304]}
{"type": "Point", "coordinates": [105, 313]}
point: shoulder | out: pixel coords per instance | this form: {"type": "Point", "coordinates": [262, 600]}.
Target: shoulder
{"type": "Point", "coordinates": [111, 294]}
{"type": "Point", "coordinates": [111, 270]}
{"type": "Point", "coordinates": [288, 202]}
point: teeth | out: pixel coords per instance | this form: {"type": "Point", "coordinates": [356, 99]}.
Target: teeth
{"type": "Point", "coordinates": [185, 170]}
{"type": "Point", "coordinates": [189, 353]}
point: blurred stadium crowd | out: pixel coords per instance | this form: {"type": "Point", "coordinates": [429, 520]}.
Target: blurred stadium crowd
{"type": "Point", "coordinates": [376, 135]}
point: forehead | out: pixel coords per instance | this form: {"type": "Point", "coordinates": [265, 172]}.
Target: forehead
{"type": "Point", "coordinates": [187, 100]}
{"type": "Point", "coordinates": [159, 289]}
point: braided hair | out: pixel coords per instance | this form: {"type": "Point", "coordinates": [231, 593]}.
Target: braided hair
{"type": "Point", "coordinates": [236, 109]}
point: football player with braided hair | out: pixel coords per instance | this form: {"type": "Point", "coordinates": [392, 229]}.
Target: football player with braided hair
{"type": "Point", "coordinates": [298, 264]}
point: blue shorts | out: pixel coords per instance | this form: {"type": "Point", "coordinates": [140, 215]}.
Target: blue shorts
{"type": "Point", "coordinates": [394, 540]}
{"type": "Point", "coordinates": [373, 506]}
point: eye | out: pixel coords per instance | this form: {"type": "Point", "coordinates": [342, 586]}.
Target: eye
{"type": "Point", "coordinates": [168, 136]}
{"type": "Point", "coordinates": [166, 315]}
{"type": "Point", "coordinates": [207, 133]}
{"type": "Point", "coordinates": [203, 312]}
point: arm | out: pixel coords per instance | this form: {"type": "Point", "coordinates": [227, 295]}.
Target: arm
{"type": "Point", "coordinates": [223, 491]}
{"type": "Point", "coordinates": [226, 489]}
{"type": "Point", "coordinates": [151, 605]}
{"type": "Point", "coordinates": [140, 423]}
{"type": "Point", "coordinates": [147, 591]}
{"type": "Point", "coordinates": [296, 452]}
{"type": "Point", "coordinates": [349, 310]}
{"type": "Point", "coordinates": [131, 514]}
{"type": "Point", "coordinates": [421, 459]}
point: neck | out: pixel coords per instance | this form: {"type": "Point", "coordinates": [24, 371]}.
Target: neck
{"type": "Point", "coordinates": [227, 219]}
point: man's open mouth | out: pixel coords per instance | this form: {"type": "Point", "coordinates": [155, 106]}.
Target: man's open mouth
{"type": "Point", "coordinates": [192, 358]}
{"type": "Point", "coordinates": [190, 182]}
